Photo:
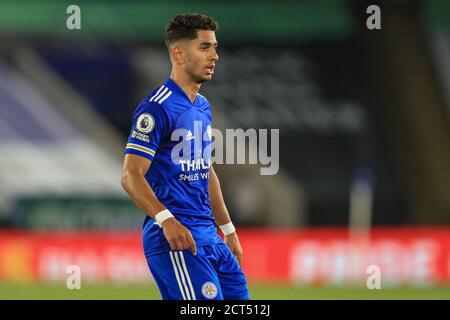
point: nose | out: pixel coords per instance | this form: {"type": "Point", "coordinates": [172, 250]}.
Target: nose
{"type": "Point", "coordinates": [215, 56]}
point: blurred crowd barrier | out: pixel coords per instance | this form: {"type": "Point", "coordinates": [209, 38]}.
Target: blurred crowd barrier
{"type": "Point", "coordinates": [311, 256]}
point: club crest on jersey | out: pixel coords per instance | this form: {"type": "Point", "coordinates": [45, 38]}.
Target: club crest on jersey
{"type": "Point", "coordinates": [145, 123]}
{"type": "Point", "coordinates": [209, 290]}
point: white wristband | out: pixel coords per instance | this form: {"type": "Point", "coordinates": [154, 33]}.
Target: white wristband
{"type": "Point", "coordinates": [227, 228]}
{"type": "Point", "coordinates": [162, 216]}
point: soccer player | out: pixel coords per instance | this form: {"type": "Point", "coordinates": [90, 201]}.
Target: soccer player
{"type": "Point", "coordinates": [169, 175]}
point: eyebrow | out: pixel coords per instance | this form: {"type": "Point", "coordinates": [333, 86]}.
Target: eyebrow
{"type": "Point", "coordinates": [206, 43]}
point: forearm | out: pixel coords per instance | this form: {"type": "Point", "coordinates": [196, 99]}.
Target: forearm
{"type": "Point", "coordinates": [217, 202]}
{"type": "Point", "coordinates": [222, 216]}
{"type": "Point", "coordinates": [141, 193]}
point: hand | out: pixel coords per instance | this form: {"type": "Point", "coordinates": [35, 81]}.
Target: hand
{"type": "Point", "coordinates": [232, 241]}
{"type": "Point", "coordinates": [179, 236]}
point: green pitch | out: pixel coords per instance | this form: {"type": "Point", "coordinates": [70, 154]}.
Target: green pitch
{"type": "Point", "coordinates": [261, 291]}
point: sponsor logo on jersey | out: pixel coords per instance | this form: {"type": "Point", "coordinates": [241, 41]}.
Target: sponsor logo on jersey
{"type": "Point", "coordinates": [189, 135]}
{"type": "Point", "coordinates": [140, 136]}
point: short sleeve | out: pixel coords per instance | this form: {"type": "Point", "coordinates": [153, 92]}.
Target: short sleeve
{"type": "Point", "coordinates": [149, 127]}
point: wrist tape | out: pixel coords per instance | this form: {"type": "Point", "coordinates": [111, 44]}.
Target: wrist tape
{"type": "Point", "coordinates": [162, 216]}
{"type": "Point", "coordinates": [227, 228]}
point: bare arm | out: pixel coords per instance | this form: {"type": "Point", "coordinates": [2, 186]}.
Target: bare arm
{"type": "Point", "coordinates": [219, 209]}
{"type": "Point", "coordinates": [134, 183]}
{"type": "Point", "coordinates": [221, 214]}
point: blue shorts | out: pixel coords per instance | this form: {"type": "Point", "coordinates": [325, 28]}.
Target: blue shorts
{"type": "Point", "coordinates": [213, 274]}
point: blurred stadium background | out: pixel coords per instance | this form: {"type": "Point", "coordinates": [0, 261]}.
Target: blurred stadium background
{"type": "Point", "coordinates": [364, 119]}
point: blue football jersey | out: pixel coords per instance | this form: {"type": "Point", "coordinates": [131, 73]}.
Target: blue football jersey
{"type": "Point", "coordinates": [175, 134]}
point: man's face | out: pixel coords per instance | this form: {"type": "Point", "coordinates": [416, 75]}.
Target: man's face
{"type": "Point", "coordinates": [200, 56]}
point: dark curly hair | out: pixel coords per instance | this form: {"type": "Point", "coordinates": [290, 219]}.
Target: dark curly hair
{"type": "Point", "coordinates": [185, 26]}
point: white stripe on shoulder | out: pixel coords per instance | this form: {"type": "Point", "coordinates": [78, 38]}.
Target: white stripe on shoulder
{"type": "Point", "coordinates": [161, 94]}
{"type": "Point", "coordinates": [165, 97]}
{"type": "Point", "coordinates": [175, 269]}
{"type": "Point", "coordinates": [157, 92]}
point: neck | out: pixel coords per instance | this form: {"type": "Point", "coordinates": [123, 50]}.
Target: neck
{"type": "Point", "coordinates": [189, 87]}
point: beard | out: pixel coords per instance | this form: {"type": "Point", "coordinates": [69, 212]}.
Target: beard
{"type": "Point", "coordinates": [200, 80]}
{"type": "Point", "coordinates": [197, 78]}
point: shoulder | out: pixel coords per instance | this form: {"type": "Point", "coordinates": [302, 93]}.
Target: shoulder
{"type": "Point", "coordinates": [149, 107]}
{"type": "Point", "coordinates": [160, 95]}
{"type": "Point", "coordinates": [202, 99]}
{"type": "Point", "coordinates": [203, 103]}
{"type": "Point", "coordinates": [156, 103]}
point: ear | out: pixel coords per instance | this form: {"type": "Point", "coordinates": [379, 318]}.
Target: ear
{"type": "Point", "coordinates": [177, 54]}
